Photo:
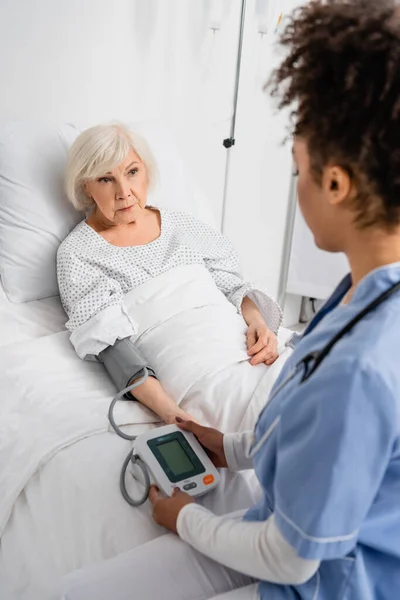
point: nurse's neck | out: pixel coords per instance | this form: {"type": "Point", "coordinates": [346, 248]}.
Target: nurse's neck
{"type": "Point", "coordinates": [371, 248]}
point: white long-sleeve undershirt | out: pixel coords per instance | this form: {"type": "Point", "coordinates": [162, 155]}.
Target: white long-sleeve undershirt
{"type": "Point", "coordinates": [254, 548]}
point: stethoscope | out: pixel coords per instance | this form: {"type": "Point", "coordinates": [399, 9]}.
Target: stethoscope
{"type": "Point", "coordinates": [308, 363]}
{"type": "Point", "coordinates": [313, 360]}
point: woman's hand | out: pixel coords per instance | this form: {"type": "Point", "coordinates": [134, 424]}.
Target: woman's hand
{"type": "Point", "coordinates": [211, 439]}
{"type": "Point", "coordinates": [170, 416]}
{"type": "Point", "coordinates": [262, 344]}
{"type": "Point", "coordinates": [166, 510]}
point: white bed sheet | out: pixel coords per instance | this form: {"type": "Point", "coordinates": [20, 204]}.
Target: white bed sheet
{"type": "Point", "coordinates": [70, 513]}
{"type": "Point", "coordinates": [20, 322]}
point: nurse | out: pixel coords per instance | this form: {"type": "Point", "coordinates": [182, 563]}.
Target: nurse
{"type": "Point", "coordinates": [326, 448]}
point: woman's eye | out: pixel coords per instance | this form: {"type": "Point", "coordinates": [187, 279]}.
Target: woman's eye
{"type": "Point", "coordinates": [103, 180]}
{"type": "Point", "coordinates": [133, 171]}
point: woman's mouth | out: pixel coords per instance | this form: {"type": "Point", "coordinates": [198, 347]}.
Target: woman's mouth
{"type": "Point", "coordinates": [125, 209]}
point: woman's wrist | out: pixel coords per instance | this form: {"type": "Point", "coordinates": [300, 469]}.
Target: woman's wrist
{"type": "Point", "coordinates": [256, 321]}
{"type": "Point", "coordinates": [171, 412]}
{"type": "Point", "coordinates": [152, 395]}
{"type": "Point", "coordinates": [251, 313]}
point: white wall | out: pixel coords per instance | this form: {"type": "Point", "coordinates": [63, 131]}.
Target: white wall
{"type": "Point", "coordinates": [261, 164]}
{"type": "Point", "coordinates": [66, 60]}
{"type": "Point", "coordinates": [313, 273]}
{"type": "Point", "coordinates": [88, 61]}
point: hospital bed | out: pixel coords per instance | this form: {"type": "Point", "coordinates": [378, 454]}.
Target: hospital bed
{"type": "Point", "coordinates": [60, 506]}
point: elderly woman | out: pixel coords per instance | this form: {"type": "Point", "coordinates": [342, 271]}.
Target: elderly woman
{"type": "Point", "coordinates": [326, 448]}
{"type": "Point", "coordinates": [123, 243]}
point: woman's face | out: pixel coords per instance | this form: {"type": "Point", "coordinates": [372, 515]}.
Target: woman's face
{"type": "Point", "coordinates": [120, 195]}
{"type": "Point", "coordinates": [323, 205]}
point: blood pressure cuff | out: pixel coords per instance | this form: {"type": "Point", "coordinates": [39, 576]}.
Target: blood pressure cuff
{"type": "Point", "coordinates": [124, 364]}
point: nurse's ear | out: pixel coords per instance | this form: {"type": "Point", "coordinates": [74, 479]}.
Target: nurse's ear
{"type": "Point", "coordinates": [337, 185]}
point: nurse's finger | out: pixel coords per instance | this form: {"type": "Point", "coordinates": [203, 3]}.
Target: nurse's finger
{"type": "Point", "coordinates": [154, 495]}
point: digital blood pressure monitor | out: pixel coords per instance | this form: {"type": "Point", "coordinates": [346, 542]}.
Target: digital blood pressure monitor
{"type": "Point", "coordinates": [174, 458]}
{"type": "Point", "coordinates": [166, 456]}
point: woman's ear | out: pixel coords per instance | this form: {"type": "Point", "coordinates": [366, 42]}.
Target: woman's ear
{"type": "Point", "coordinates": [337, 184]}
{"type": "Point", "coordinates": [86, 190]}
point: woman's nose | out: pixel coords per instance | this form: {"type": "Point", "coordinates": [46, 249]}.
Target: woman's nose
{"type": "Point", "coordinates": [123, 190]}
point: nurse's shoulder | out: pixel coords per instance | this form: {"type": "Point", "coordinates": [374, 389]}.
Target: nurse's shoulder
{"type": "Point", "coordinates": [367, 363]}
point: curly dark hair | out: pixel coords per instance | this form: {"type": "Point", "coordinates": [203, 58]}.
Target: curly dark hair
{"type": "Point", "coordinates": [341, 76]}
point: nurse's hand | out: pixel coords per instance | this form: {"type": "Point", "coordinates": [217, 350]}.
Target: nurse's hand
{"type": "Point", "coordinates": [262, 344]}
{"type": "Point", "coordinates": [166, 510]}
{"type": "Point", "coordinates": [211, 439]}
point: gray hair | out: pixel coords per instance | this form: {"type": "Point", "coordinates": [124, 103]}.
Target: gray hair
{"type": "Point", "coordinates": [97, 151]}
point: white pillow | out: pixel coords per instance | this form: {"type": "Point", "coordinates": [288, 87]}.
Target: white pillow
{"type": "Point", "coordinates": [35, 215]}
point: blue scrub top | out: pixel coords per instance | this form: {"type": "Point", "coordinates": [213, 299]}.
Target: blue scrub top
{"type": "Point", "coordinates": [327, 451]}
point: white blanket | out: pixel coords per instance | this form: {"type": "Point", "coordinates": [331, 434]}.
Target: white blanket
{"type": "Point", "coordinates": [50, 400]}
{"type": "Point", "coordinates": [186, 328]}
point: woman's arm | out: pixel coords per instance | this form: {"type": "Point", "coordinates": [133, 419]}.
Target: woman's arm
{"type": "Point", "coordinates": [261, 313]}
{"type": "Point", "coordinates": [251, 313]}
{"type": "Point", "coordinates": [97, 320]}
{"type": "Point", "coordinates": [222, 262]}
{"type": "Point", "coordinates": [93, 302]}
{"type": "Point", "coordinates": [262, 343]}
{"type": "Point", "coordinates": [152, 395]}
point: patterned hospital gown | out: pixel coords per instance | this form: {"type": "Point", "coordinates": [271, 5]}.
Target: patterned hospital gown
{"type": "Point", "coordinates": [94, 275]}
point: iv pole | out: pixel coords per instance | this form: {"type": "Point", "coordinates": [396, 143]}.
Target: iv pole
{"type": "Point", "coordinates": [229, 142]}
{"type": "Point", "coordinates": [287, 247]}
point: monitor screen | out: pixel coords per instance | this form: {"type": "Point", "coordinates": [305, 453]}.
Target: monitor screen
{"type": "Point", "coordinates": [176, 458]}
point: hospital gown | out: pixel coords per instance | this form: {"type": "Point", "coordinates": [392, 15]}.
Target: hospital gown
{"type": "Point", "coordinates": [94, 275]}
